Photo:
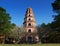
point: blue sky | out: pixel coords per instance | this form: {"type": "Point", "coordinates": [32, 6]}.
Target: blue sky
{"type": "Point", "coordinates": [16, 8]}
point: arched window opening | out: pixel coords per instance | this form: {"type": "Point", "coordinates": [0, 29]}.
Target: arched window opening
{"type": "Point", "coordinates": [29, 24]}
{"type": "Point", "coordinates": [29, 30]}
{"type": "Point", "coordinates": [29, 19]}
{"type": "Point", "coordinates": [29, 15]}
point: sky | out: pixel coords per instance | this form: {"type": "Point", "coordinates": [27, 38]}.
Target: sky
{"type": "Point", "coordinates": [42, 10]}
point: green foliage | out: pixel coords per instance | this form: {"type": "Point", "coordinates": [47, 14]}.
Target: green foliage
{"type": "Point", "coordinates": [5, 23]}
{"type": "Point", "coordinates": [44, 31]}
{"type": "Point", "coordinates": [13, 33]}
{"type": "Point", "coordinates": [2, 10]}
{"type": "Point", "coordinates": [56, 6]}
{"type": "Point", "coordinates": [56, 23]}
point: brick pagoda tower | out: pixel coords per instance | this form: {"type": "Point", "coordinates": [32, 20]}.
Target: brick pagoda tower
{"type": "Point", "coordinates": [30, 25]}
{"type": "Point", "coordinates": [29, 21]}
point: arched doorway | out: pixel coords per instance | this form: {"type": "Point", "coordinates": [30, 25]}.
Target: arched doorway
{"type": "Point", "coordinates": [30, 40]}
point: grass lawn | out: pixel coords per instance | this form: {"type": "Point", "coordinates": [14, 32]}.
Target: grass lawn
{"type": "Point", "coordinates": [29, 44]}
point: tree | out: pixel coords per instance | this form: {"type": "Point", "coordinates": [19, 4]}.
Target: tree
{"type": "Point", "coordinates": [55, 25]}
{"type": "Point", "coordinates": [44, 32]}
{"type": "Point", "coordinates": [56, 8]}
{"type": "Point", "coordinates": [17, 33]}
{"type": "Point", "coordinates": [5, 23]}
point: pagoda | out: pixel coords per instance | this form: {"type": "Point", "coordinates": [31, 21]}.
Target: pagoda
{"type": "Point", "coordinates": [30, 26]}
